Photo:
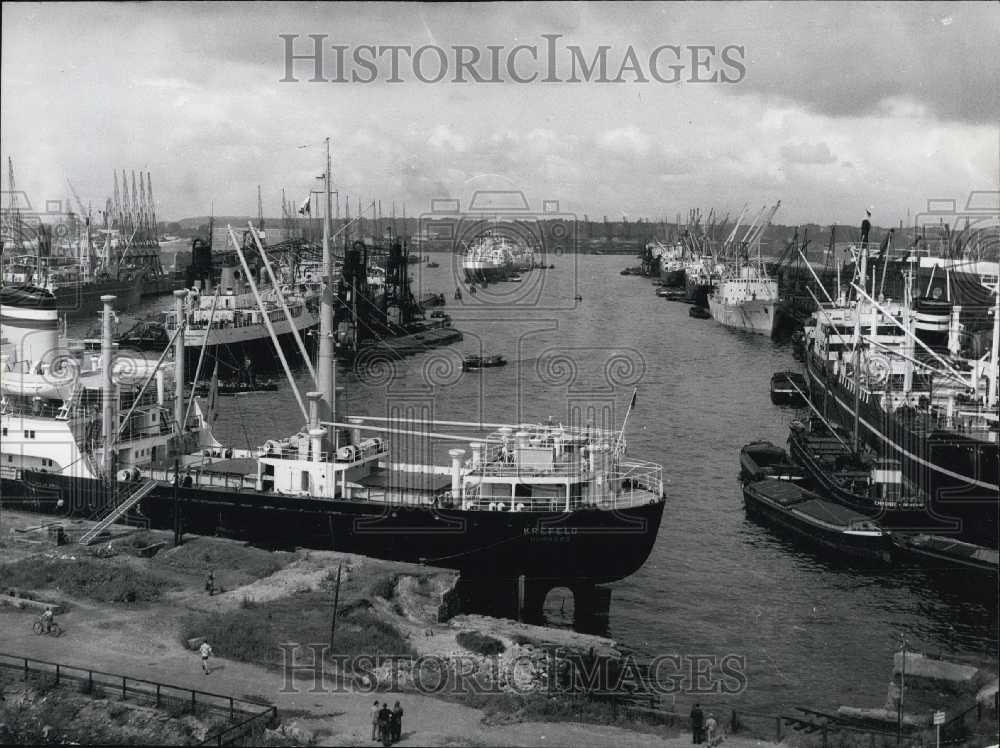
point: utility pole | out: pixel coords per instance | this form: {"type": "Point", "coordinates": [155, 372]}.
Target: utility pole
{"type": "Point", "coordinates": [177, 505]}
{"type": "Point", "coordinates": [902, 690]}
{"type": "Point", "coordinates": [336, 604]}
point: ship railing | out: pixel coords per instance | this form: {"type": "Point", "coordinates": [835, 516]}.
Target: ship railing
{"type": "Point", "coordinates": [577, 470]}
{"type": "Point", "coordinates": [202, 478]}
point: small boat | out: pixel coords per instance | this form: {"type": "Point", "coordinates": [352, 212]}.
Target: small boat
{"type": "Point", "coordinates": [515, 278]}
{"type": "Point", "coordinates": [787, 388]}
{"type": "Point", "coordinates": [760, 460]}
{"type": "Point", "coordinates": [671, 294]}
{"type": "Point", "coordinates": [482, 362]}
{"type": "Point", "coordinates": [947, 553]}
{"type": "Point", "coordinates": [808, 516]}
{"type": "Point", "coordinates": [699, 312]}
{"type": "Point", "coordinates": [433, 265]}
{"type": "Point", "coordinates": [439, 314]}
{"type": "Point", "coordinates": [235, 387]}
{"type": "Point", "coordinates": [578, 297]}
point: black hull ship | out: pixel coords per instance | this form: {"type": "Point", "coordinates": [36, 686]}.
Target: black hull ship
{"type": "Point", "coordinates": [900, 376]}
{"type": "Point", "coordinates": [869, 485]}
{"type": "Point", "coordinates": [592, 545]}
{"type": "Point", "coordinates": [541, 501]}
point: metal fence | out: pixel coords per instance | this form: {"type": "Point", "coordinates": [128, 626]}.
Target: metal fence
{"type": "Point", "coordinates": [252, 717]}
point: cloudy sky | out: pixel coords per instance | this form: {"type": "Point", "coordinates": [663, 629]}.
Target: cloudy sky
{"type": "Point", "coordinates": [835, 107]}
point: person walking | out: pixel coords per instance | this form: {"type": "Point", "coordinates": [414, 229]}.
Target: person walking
{"type": "Point", "coordinates": [206, 651]}
{"type": "Point", "coordinates": [710, 727]}
{"type": "Point", "coordinates": [374, 713]}
{"type": "Point", "coordinates": [397, 722]}
{"type": "Point", "coordinates": [210, 583]}
{"type": "Point", "coordinates": [697, 723]}
{"type": "Point", "coordinates": [866, 226]}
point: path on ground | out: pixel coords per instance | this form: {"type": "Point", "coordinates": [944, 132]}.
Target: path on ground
{"type": "Point", "coordinates": [126, 642]}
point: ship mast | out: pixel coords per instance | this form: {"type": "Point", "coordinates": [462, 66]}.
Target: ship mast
{"type": "Point", "coordinates": [326, 376]}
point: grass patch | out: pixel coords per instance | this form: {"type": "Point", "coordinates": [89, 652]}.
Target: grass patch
{"type": "Point", "coordinates": [94, 690]}
{"type": "Point", "coordinates": [106, 581]}
{"type": "Point", "coordinates": [255, 633]}
{"type": "Point", "coordinates": [232, 562]}
{"type": "Point", "coordinates": [385, 587]}
{"type": "Point", "coordinates": [480, 643]}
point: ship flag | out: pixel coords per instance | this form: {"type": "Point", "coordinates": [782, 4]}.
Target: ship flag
{"type": "Point", "coordinates": [306, 208]}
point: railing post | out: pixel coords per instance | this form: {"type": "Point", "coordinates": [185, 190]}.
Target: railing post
{"type": "Point", "coordinates": [157, 695]}
{"type": "Point", "coordinates": [825, 737]}
{"type": "Point", "coordinates": [123, 688]}
{"type": "Point", "coordinates": [192, 702]}
{"type": "Point", "coordinates": [57, 674]}
{"type": "Point", "coordinates": [230, 707]}
{"type": "Point", "coordinates": [90, 681]}
{"type": "Point", "coordinates": [26, 668]}
{"type": "Point", "coordinates": [777, 728]}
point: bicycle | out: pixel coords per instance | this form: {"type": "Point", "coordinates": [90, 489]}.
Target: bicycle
{"type": "Point", "coordinates": [54, 629]}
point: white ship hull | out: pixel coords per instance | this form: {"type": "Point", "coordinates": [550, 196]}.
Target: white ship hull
{"type": "Point", "coordinates": [754, 315]}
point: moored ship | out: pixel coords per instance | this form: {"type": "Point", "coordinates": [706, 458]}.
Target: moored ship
{"type": "Point", "coordinates": [905, 376]}
{"type": "Point", "coordinates": [540, 500]}
{"type": "Point", "coordinates": [489, 258]}
{"type": "Point", "coordinates": [745, 298]}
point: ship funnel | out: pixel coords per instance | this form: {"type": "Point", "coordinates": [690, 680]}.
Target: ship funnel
{"type": "Point", "coordinates": [356, 424]}
{"type": "Point", "coordinates": [229, 281]}
{"type": "Point", "coordinates": [456, 472]}
{"type": "Point", "coordinates": [476, 450]}
{"type": "Point", "coordinates": [30, 323]}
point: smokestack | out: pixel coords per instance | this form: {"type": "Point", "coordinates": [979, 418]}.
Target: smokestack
{"type": "Point", "coordinates": [456, 472]}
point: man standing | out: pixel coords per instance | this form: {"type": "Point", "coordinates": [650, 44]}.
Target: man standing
{"type": "Point", "coordinates": [397, 722]}
{"type": "Point", "coordinates": [384, 721]}
{"type": "Point", "coordinates": [206, 650]}
{"type": "Point", "coordinates": [697, 721]}
{"type": "Point", "coordinates": [866, 226]}
{"type": "Point", "coordinates": [374, 713]}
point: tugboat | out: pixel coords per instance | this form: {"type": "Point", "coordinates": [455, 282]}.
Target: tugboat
{"type": "Point", "coordinates": [482, 362]}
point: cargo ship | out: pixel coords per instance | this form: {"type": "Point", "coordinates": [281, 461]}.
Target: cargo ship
{"type": "Point", "coordinates": [489, 258]}
{"type": "Point", "coordinates": [542, 501]}
{"type": "Point", "coordinates": [915, 380]}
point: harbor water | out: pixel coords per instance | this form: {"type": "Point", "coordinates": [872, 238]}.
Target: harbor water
{"type": "Point", "coordinates": [811, 631]}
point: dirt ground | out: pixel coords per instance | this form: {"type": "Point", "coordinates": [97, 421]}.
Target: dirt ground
{"type": "Point", "coordinates": [143, 640]}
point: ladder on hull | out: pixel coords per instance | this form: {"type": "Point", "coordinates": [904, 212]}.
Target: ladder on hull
{"type": "Point", "coordinates": [144, 490]}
